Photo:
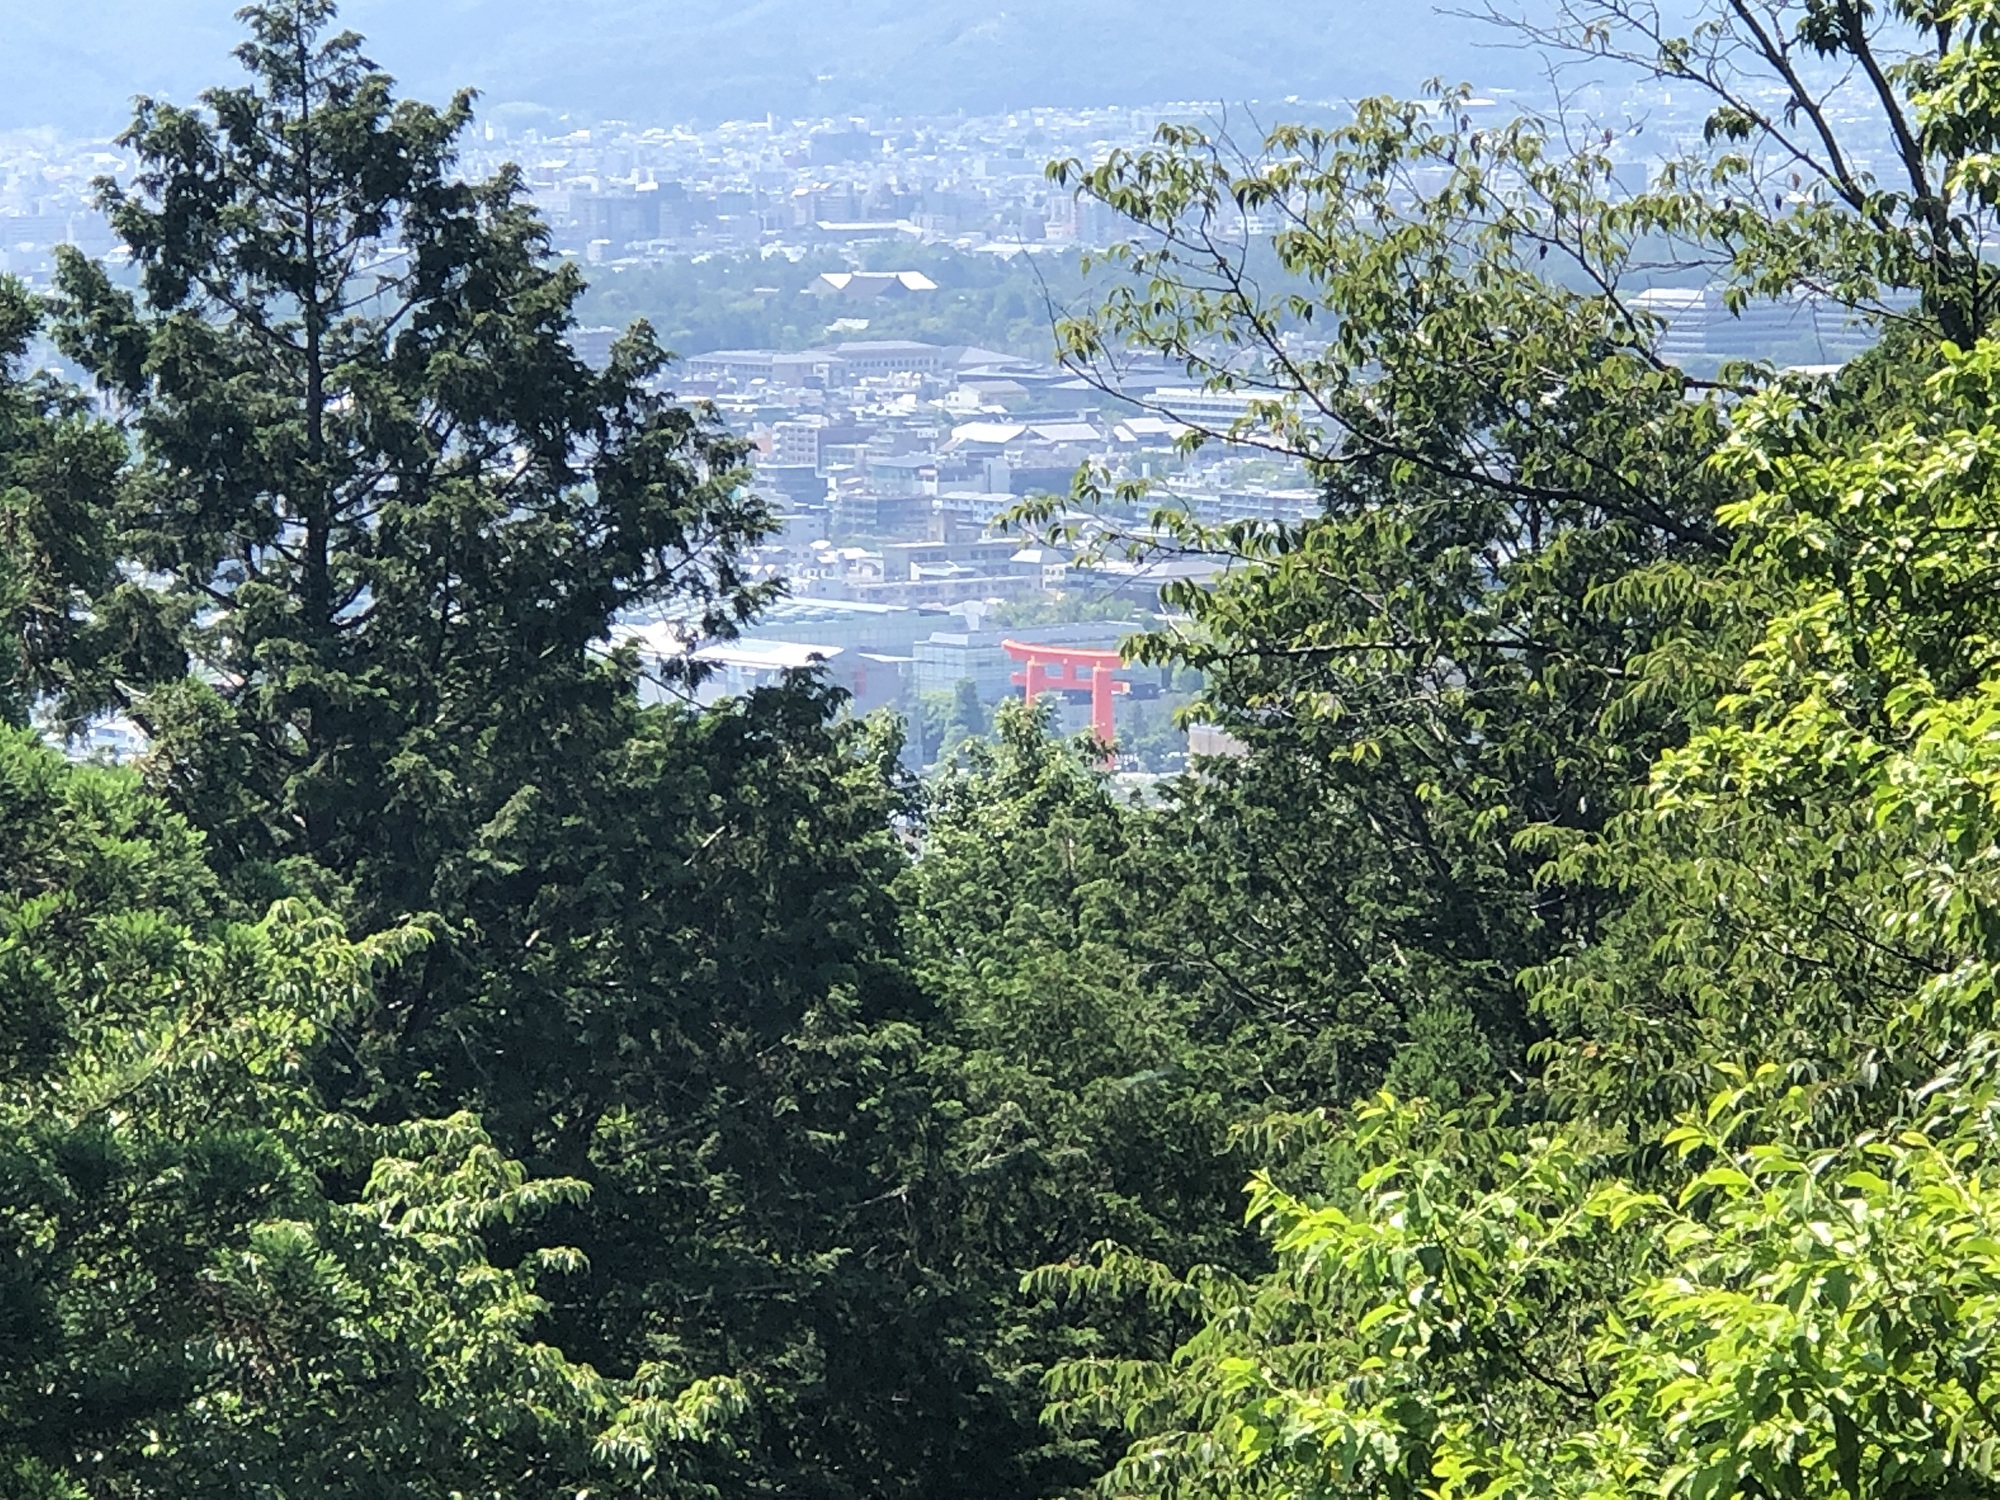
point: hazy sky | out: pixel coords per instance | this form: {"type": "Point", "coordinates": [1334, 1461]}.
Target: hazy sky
{"type": "Point", "coordinates": [76, 63]}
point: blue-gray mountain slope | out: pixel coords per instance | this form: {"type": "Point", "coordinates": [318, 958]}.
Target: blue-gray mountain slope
{"type": "Point", "coordinates": [76, 63]}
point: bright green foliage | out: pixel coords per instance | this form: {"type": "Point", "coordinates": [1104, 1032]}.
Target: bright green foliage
{"type": "Point", "coordinates": [1453, 688]}
{"type": "Point", "coordinates": [1798, 1298]}
{"type": "Point", "coordinates": [1422, 1310]}
{"type": "Point", "coordinates": [1784, 1288]}
{"type": "Point", "coordinates": [214, 1284]}
{"type": "Point", "coordinates": [1787, 1322]}
{"type": "Point", "coordinates": [1512, 601]}
{"type": "Point", "coordinates": [1822, 1320]}
{"type": "Point", "coordinates": [1801, 938]}
{"type": "Point", "coordinates": [1874, 679]}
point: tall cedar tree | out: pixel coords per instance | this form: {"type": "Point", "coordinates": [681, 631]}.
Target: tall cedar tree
{"type": "Point", "coordinates": [391, 507]}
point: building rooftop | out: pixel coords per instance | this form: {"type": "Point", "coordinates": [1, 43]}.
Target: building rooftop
{"type": "Point", "coordinates": [773, 655]}
{"type": "Point", "coordinates": [869, 283]}
{"type": "Point", "coordinates": [795, 611]}
{"type": "Point", "coordinates": [987, 433]}
{"type": "Point", "coordinates": [1066, 432]}
{"type": "Point", "coordinates": [887, 346]}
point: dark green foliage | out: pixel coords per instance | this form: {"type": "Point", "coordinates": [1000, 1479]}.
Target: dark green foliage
{"type": "Point", "coordinates": [211, 1283]}
{"type": "Point", "coordinates": [55, 546]}
{"type": "Point", "coordinates": [1097, 1104]}
{"type": "Point", "coordinates": [392, 510]}
{"type": "Point", "coordinates": [1616, 750]}
{"type": "Point", "coordinates": [1104, 1101]}
{"type": "Point", "coordinates": [393, 519]}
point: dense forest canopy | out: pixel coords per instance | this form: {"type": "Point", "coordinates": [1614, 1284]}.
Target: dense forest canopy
{"type": "Point", "coordinates": [431, 1072]}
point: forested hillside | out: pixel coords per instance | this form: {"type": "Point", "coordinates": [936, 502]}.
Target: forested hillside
{"type": "Point", "coordinates": [78, 64]}
{"type": "Point", "coordinates": [1558, 1057]}
{"type": "Point", "coordinates": [750, 301]}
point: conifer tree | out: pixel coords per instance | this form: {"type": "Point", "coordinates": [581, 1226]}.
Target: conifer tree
{"type": "Point", "coordinates": [391, 510]}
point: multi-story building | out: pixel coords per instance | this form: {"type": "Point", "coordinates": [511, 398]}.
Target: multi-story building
{"type": "Point", "coordinates": [870, 513]}
{"type": "Point", "coordinates": [796, 444]}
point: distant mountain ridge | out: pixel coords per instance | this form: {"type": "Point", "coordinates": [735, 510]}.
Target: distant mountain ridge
{"type": "Point", "coordinates": [76, 63]}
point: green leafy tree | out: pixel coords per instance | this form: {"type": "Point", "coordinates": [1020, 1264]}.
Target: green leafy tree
{"type": "Point", "coordinates": [1784, 1320]}
{"type": "Point", "coordinates": [1786, 1290]}
{"type": "Point", "coordinates": [1735, 1243]}
{"type": "Point", "coordinates": [689, 991]}
{"type": "Point", "coordinates": [1425, 672]}
{"type": "Point", "coordinates": [393, 521]}
{"type": "Point", "coordinates": [1516, 595]}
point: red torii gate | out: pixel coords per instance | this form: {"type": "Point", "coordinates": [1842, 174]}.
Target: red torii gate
{"type": "Point", "coordinates": [1075, 668]}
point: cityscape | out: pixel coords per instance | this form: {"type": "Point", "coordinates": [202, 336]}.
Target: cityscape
{"type": "Point", "coordinates": [893, 462]}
